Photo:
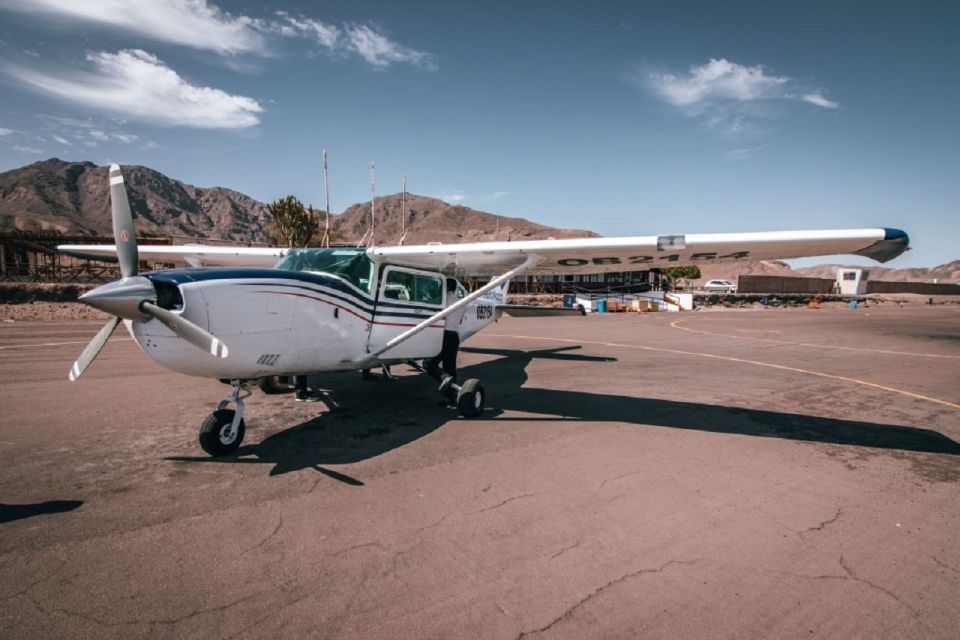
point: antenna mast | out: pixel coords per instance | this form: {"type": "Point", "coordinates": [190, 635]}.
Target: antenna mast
{"type": "Point", "coordinates": [373, 205]}
{"type": "Point", "coordinates": [403, 211]}
{"type": "Point", "coordinates": [326, 193]}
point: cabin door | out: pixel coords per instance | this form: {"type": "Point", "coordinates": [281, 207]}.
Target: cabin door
{"type": "Point", "coordinates": [405, 298]}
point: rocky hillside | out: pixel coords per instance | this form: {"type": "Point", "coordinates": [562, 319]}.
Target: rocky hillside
{"type": "Point", "coordinates": [949, 272]}
{"type": "Point", "coordinates": [74, 198]}
{"type": "Point", "coordinates": [433, 220]}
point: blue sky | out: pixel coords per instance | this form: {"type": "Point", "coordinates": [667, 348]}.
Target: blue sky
{"type": "Point", "coordinates": [674, 117]}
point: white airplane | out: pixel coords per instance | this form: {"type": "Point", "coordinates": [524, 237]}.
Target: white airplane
{"type": "Point", "coordinates": [337, 309]}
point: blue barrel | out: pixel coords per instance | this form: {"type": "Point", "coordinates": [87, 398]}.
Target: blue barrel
{"type": "Point", "coordinates": [601, 306]}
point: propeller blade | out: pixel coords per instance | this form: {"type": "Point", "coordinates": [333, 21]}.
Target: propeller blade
{"type": "Point", "coordinates": [92, 349]}
{"type": "Point", "coordinates": [187, 330]}
{"type": "Point", "coordinates": [123, 233]}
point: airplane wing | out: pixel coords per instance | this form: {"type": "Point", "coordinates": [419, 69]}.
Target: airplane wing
{"type": "Point", "coordinates": [601, 255]}
{"type": "Point", "coordinates": [194, 255]}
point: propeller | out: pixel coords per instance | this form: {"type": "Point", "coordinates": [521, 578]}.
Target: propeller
{"type": "Point", "coordinates": [133, 297]}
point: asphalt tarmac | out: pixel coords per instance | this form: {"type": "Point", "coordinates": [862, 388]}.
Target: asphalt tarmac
{"type": "Point", "coordinates": [756, 474]}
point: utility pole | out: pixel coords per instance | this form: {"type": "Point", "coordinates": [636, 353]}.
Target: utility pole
{"type": "Point", "coordinates": [373, 204]}
{"type": "Point", "coordinates": [326, 193]}
{"type": "Point", "coordinates": [403, 211]}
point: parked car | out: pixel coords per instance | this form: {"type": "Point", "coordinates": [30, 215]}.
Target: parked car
{"type": "Point", "coordinates": [720, 286]}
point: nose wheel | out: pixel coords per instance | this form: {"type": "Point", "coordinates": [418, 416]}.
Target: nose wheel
{"type": "Point", "coordinates": [222, 432]}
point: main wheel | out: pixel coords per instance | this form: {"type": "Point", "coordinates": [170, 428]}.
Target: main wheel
{"type": "Point", "coordinates": [213, 433]}
{"type": "Point", "coordinates": [471, 399]}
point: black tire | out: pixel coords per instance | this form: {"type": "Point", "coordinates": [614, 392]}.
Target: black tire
{"type": "Point", "coordinates": [471, 399]}
{"type": "Point", "coordinates": [211, 433]}
{"type": "Point", "coordinates": [270, 385]}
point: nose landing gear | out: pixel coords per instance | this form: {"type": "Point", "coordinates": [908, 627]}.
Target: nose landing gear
{"type": "Point", "coordinates": [222, 432]}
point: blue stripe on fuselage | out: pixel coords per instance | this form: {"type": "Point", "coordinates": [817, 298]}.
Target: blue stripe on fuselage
{"type": "Point", "coordinates": [354, 297]}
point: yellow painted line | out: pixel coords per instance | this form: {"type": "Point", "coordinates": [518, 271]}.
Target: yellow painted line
{"type": "Point", "coordinates": [57, 344]}
{"type": "Point", "coordinates": [620, 345]}
{"type": "Point", "coordinates": [676, 325]}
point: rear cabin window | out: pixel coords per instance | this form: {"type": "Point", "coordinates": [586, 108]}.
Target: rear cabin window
{"type": "Point", "coordinates": [401, 285]}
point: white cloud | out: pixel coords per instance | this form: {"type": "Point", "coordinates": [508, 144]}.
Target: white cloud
{"type": "Point", "coordinates": [191, 23]}
{"type": "Point", "coordinates": [380, 51]}
{"type": "Point", "coordinates": [728, 97]}
{"type": "Point", "coordinates": [498, 194]}
{"type": "Point", "coordinates": [326, 35]}
{"type": "Point", "coordinates": [5, 132]}
{"type": "Point", "coordinates": [818, 99]}
{"type": "Point", "coordinates": [23, 149]}
{"type": "Point", "coordinates": [61, 140]}
{"type": "Point", "coordinates": [140, 86]}
{"type": "Point", "coordinates": [453, 197]}
{"type": "Point", "coordinates": [200, 24]}
{"type": "Point", "coordinates": [718, 80]}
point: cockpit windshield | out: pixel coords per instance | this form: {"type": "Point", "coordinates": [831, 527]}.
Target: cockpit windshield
{"type": "Point", "coordinates": [352, 265]}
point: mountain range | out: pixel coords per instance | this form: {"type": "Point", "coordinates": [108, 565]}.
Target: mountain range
{"type": "Point", "coordinates": [73, 198]}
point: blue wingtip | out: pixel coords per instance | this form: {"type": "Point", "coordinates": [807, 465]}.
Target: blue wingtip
{"type": "Point", "coordinates": [895, 242]}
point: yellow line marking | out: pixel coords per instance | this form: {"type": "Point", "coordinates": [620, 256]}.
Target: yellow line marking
{"type": "Point", "coordinates": [676, 325]}
{"type": "Point", "coordinates": [620, 345]}
{"type": "Point", "coordinates": [56, 344]}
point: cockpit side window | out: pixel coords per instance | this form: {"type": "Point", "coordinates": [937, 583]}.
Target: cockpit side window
{"type": "Point", "coordinates": [351, 264]}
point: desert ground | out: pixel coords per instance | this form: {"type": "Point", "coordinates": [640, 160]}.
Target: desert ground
{"type": "Point", "coordinates": [787, 473]}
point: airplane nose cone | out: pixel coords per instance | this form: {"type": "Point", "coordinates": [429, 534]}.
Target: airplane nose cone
{"type": "Point", "coordinates": [122, 298]}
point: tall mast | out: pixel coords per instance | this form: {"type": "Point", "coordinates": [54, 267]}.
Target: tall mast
{"type": "Point", "coordinates": [326, 193]}
{"type": "Point", "coordinates": [373, 204]}
{"type": "Point", "coordinates": [403, 211]}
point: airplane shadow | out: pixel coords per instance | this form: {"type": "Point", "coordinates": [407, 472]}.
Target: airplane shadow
{"type": "Point", "coordinates": [11, 512]}
{"type": "Point", "coordinates": [405, 410]}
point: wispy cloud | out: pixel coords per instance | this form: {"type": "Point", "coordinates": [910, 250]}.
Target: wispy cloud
{"type": "Point", "coordinates": [140, 86]}
{"type": "Point", "coordinates": [25, 149]}
{"type": "Point", "coordinates": [818, 99]}
{"type": "Point", "coordinates": [453, 196]}
{"type": "Point", "coordinates": [191, 23]}
{"type": "Point", "coordinates": [726, 94]}
{"type": "Point", "coordinates": [200, 24]}
{"type": "Point", "coordinates": [496, 195]}
{"type": "Point", "coordinates": [717, 80]}
{"type": "Point", "coordinates": [380, 51]}
{"type": "Point", "coordinates": [5, 132]}
{"type": "Point", "coordinates": [326, 35]}
{"type": "Point", "coordinates": [88, 132]}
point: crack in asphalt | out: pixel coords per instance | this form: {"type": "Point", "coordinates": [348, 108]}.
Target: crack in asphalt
{"type": "Point", "coordinates": [41, 580]}
{"type": "Point", "coordinates": [363, 545]}
{"type": "Point", "coordinates": [622, 475]}
{"type": "Point", "coordinates": [262, 542]}
{"type": "Point", "coordinates": [507, 501]}
{"type": "Point", "coordinates": [121, 623]}
{"type": "Point", "coordinates": [822, 525]}
{"type": "Point", "coordinates": [852, 575]}
{"type": "Point", "coordinates": [945, 565]}
{"type": "Point", "coordinates": [433, 524]}
{"type": "Point", "coordinates": [583, 601]}
{"type": "Point", "coordinates": [565, 549]}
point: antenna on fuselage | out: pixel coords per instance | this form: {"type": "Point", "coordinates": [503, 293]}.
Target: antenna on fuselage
{"type": "Point", "coordinates": [326, 194]}
{"type": "Point", "coordinates": [403, 211]}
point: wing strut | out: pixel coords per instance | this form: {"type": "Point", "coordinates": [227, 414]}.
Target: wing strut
{"type": "Point", "coordinates": [373, 358]}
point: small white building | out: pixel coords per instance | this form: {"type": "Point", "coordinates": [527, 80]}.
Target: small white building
{"type": "Point", "coordinates": [852, 282]}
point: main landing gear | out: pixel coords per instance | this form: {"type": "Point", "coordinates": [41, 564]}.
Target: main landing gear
{"type": "Point", "coordinates": [470, 398]}
{"type": "Point", "coordinates": [222, 431]}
